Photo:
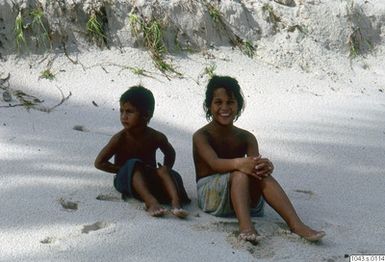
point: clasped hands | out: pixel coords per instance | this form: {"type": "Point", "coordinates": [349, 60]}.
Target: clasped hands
{"type": "Point", "coordinates": [256, 166]}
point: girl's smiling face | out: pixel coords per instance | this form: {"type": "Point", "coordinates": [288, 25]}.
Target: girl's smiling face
{"type": "Point", "coordinates": [223, 107]}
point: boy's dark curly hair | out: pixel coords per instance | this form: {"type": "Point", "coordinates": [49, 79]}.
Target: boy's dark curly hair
{"type": "Point", "coordinates": [232, 88]}
{"type": "Point", "coordinates": [142, 99]}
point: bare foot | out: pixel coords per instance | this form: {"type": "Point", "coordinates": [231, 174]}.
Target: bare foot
{"type": "Point", "coordinates": [156, 210]}
{"type": "Point", "coordinates": [251, 236]}
{"type": "Point", "coordinates": [179, 212]}
{"type": "Point", "coordinates": [308, 233]}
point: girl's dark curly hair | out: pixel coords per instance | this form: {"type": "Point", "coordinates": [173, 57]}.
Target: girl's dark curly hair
{"type": "Point", "coordinates": [232, 89]}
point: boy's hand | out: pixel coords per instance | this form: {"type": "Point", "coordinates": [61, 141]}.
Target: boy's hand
{"type": "Point", "coordinates": [162, 170]}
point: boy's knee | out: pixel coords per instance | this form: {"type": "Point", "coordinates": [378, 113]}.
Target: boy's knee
{"type": "Point", "coordinates": [137, 172]}
{"type": "Point", "coordinates": [162, 173]}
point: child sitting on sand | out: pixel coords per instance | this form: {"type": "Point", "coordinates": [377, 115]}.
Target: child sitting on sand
{"type": "Point", "coordinates": [134, 150]}
{"type": "Point", "coordinates": [232, 177]}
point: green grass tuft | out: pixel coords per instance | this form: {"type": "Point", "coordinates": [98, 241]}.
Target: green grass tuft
{"type": "Point", "coordinates": [47, 74]}
{"type": "Point", "coordinates": [214, 13]}
{"type": "Point", "coordinates": [153, 39]}
{"type": "Point", "coordinates": [38, 27]}
{"type": "Point", "coordinates": [137, 70]}
{"type": "Point", "coordinates": [95, 29]}
{"type": "Point", "coordinates": [248, 48]}
{"type": "Point", "coordinates": [19, 31]}
{"type": "Point", "coordinates": [135, 22]}
{"type": "Point", "coordinates": [210, 70]}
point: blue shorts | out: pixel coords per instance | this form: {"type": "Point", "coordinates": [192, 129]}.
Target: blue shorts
{"type": "Point", "coordinates": [123, 181]}
{"type": "Point", "coordinates": [214, 197]}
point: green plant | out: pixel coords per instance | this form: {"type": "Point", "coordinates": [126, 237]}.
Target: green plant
{"type": "Point", "coordinates": [214, 13]}
{"type": "Point", "coordinates": [135, 22]}
{"type": "Point", "coordinates": [38, 27]}
{"type": "Point", "coordinates": [95, 28]}
{"type": "Point", "coordinates": [19, 31]}
{"type": "Point", "coordinates": [28, 101]}
{"type": "Point", "coordinates": [272, 17]}
{"type": "Point", "coordinates": [354, 46]}
{"type": "Point", "coordinates": [248, 48]}
{"type": "Point", "coordinates": [137, 70]}
{"type": "Point", "coordinates": [47, 74]}
{"type": "Point", "coordinates": [153, 39]}
{"type": "Point", "coordinates": [164, 66]}
{"type": "Point", "coordinates": [210, 70]}
{"type": "Point", "coordinates": [357, 43]}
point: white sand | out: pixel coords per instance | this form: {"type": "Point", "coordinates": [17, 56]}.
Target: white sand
{"type": "Point", "coordinates": [327, 149]}
{"type": "Point", "coordinates": [325, 134]}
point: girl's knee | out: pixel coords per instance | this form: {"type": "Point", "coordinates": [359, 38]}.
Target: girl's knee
{"type": "Point", "coordinates": [238, 176]}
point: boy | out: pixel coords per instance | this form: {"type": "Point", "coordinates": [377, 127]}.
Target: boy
{"type": "Point", "coordinates": [134, 150]}
{"type": "Point", "coordinates": [231, 175]}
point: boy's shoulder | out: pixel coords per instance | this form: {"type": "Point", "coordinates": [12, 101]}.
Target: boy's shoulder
{"type": "Point", "coordinates": [118, 135]}
{"type": "Point", "coordinates": [155, 134]}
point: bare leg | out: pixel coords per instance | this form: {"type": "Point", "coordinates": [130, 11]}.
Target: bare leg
{"type": "Point", "coordinates": [169, 185]}
{"type": "Point", "coordinates": [140, 187]}
{"type": "Point", "coordinates": [240, 199]}
{"type": "Point", "coordinates": [277, 199]}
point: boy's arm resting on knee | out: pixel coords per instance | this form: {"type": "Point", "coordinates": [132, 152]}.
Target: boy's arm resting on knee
{"type": "Point", "coordinates": [102, 160]}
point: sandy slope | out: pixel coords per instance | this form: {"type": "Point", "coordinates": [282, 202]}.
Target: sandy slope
{"type": "Point", "coordinates": [326, 137]}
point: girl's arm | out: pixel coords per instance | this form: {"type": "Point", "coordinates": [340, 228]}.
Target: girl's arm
{"type": "Point", "coordinates": [221, 165]}
{"type": "Point", "coordinates": [264, 167]}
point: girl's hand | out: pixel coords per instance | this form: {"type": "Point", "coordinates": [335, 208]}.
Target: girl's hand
{"type": "Point", "coordinates": [264, 167]}
{"type": "Point", "coordinates": [247, 165]}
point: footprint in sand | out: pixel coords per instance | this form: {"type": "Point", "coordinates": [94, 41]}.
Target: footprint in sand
{"type": "Point", "coordinates": [68, 205]}
{"type": "Point", "coordinates": [267, 229]}
{"type": "Point", "coordinates": [48, 240]}
{"type": "Point", "coordinates": [108, 198]}
{"type": "Point", "coordinates": [304, 194]}
{"type": "Point", "coordinates": [94, 227]}
{"type": "Point", "coordinates": [80, 128]}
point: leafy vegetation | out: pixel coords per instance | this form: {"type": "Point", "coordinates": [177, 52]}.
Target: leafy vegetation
{"type": "Point", "coordinates": [248, 48]}
{"type": "Point", "coordinates": [95, 28]}
{"type": "Point", "coordinates": [214, 13]}
{"type": "Point", "coordinates": [38, 27]}
{"type": "Point", "coordinates": [210, 70]}
{"type": "Point", "coordinates": [47, 74]}
{"type": "Point", "coordinates": [19, 31]}
{"type": "Point", "coordinates": [153, 40]}
{"type": "Point", "coordinates": [137, 70]}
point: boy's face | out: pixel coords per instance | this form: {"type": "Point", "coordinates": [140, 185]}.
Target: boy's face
{"type": "Point", "coordinates": [223, 107]}
{"type": "Point", "coordinates": [130, 117]}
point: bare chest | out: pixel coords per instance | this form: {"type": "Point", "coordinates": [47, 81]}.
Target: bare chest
{"type": "Point", "coordinates": [228, 147]}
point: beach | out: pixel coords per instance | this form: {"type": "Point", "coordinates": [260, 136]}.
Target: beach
{"type": "Point", "coordinates": [324, 132]}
